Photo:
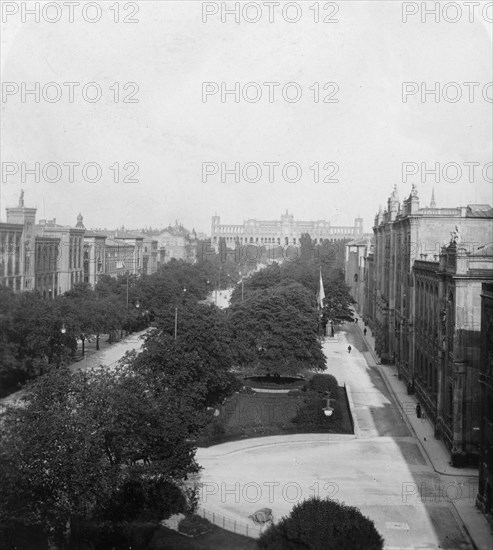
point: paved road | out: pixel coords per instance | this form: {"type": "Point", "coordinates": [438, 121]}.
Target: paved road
{"type": "Point", "coordinates": [381, 469]}
{"type": "Point", "coordinates": [108, 356]}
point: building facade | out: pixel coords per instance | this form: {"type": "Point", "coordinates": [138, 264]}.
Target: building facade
{"type": "Point", "coordinates": [369, 290]}
{"type": "Point", "coordinates": [485, 488]}
{"type": "Point", "coordinates": [17, 247]}
{"type": "Point", "coordinates": [356, 253]}
{"type": "Point", "coordinates": [135, 261]}
{"type": "Point", "coordinates": [11, 269]}
{"type": "Point", "coordinates": [405, 234]}
{"type": "Point", "coordinates": [70, 257]}
{"type": "Point", "coordinates": [46, 266]}
{"type": "Point", "coordinates": [177, 243]}
{"type": "Point", "coordinates": [448, 344]}
{"type": "Point", "coordinates": [94, 256]}
{"type": "Point", "coordinates": [285, 231]}
{"type": "Point", "coordinates": [150, 255]}
{"type": "Point", "coordinates": [119, 257]}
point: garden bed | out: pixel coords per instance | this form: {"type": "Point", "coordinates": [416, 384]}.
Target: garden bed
{"type": "Point", "coordinates": [247, 415]}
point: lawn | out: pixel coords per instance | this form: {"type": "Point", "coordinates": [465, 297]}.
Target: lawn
{"type": "Point", "coordinates": [247, 414]}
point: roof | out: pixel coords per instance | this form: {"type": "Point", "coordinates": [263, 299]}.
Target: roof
{"type": "Point", "coordinates": [485, 250]}
{"type": "Point", "coordinates": [359, 242]}
{"type": "Point", "coordinates": [126, 235]}
{"type": "Point", "coordinates": [479, 211]}
{"type": "Point", "coordinates": [95, 234]}
{"type": "Point", "coordinates": [12, 226]}
{"type": "Point", "coordinates": [112, 242]}
{"type": "Point", "coordinates": [177, 231]}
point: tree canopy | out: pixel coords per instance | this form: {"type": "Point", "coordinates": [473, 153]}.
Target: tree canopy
{"type": "Point", "coordinates": [322, 524]}
{"type": "Point", "coordinates": [77, 440]}
{"type": "Point", "coordinates": [275, 330]}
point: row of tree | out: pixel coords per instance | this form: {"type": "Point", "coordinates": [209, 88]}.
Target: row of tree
{"type": "Point", "coordinates": [37, 334]}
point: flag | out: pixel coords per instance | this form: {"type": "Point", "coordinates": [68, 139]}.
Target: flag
{"type": "Point", "coordinates": [320, 293]}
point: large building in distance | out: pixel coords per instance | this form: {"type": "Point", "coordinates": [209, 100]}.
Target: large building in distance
{"type": "Point", "coordinates": [177, 243]}
{"type": "Point", "coordinates": [286, 231]}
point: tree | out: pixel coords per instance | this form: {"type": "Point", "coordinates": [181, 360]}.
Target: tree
{"type": "Point", "coordinates": [260, 280]}
{"type": "Point", "coordinates": [77, 442]}
{"type": "Point", "coordinates": [203, 342]}
{"type": "Point", "coordinates": [337, 303]}
{"type": "Point", "coordinates": [30, 335]}
{"type": "Point", "coordinates": [322, 524]}
{"type": "Point", "coordinates": [275, 331]}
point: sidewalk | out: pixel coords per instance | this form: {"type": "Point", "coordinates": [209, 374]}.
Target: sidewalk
{"type": "Point", "coordinates": [434, 449]}
{"type": "Point", "coordinates": [108, 355]}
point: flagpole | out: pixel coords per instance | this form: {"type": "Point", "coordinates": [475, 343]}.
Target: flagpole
{"type": "Point", "coordinates": [320, 300]}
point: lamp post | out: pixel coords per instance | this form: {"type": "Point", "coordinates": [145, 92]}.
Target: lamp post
{"type": "Point", "coordinates": [328, 410]}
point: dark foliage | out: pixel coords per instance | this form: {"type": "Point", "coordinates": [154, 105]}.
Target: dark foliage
{"type": "Point", "coordinates": [322, 524]}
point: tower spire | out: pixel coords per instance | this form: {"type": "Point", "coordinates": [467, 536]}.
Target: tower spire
{"type": "Point", "coordinates": [433, 204]}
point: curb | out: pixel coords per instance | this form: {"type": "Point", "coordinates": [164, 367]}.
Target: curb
{"type": "Point", "coordinates": [456, 512]}
{"type": "Point", "coordinates": [356, 428]}
{"type": "Point", "coordinates": [404, 415]}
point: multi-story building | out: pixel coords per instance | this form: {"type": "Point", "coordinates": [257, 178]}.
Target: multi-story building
{"type": "Point", "coordinates": [46, 265]}
{"type": "Point", "coordinates": [285, 231]}
{"type": "Point", "coordinates": [70, 257]}
{"type": "Point", "coordinates": [134, 262]}
{"type": "Point", "coordinates": [17, 247]}
{"type": "Point", "coordinates": [485, 488]}
{"type": "Point", "coordinates": [150, 255]}
{"type": "Point", "coordinates": [447, 314]}
{"type": "Point", "coordinates": [401, 235]}
{"type": "Point", "coordinates": [369, 291]}
{"type": "Point", "coordinates": [178, 243]}
{"type": "Point", "coordinates": [11, 271]}
{"type": "Point", "coordinates": [119, 257]}
{"type": "Point", "coordinates": [94, 256]}
{"type": "Point", "coordinates": [356, 253]}
{"type": "Point", "coordinates": [404, 234]}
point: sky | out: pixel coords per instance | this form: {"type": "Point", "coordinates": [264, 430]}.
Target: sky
{"type": "Point", "coordinates": [160, 153]}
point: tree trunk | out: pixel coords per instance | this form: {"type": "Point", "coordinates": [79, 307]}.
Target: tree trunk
{"type": "Point", "coordinates": [83, 344]}
{"type": "Point", "coordinates": [97, 342]}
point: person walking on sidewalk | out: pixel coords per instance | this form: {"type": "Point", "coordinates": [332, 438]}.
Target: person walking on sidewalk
{"type": "Point", "coordinates": [365, 331]}
{"type": "Point", "coordinates": [418, 410]}
{"type": "Point", "coordinates": [349, 348]}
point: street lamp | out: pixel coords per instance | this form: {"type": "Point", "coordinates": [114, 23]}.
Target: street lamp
{"type": "Point", "coordinates": [63, 330]}
{"type": "Point", "coordinates": [328, 410]}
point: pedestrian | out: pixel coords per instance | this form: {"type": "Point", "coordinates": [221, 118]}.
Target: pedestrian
{"type": "Point", "coordinates": [349, 348]}
{"type": "Point", "coordinates": [365, 331]}
{"type": "Point", "coordinates": [418, 410]}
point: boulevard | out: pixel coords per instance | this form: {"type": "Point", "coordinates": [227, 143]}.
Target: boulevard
{"type": "Point", "coordinates": [379, 469]}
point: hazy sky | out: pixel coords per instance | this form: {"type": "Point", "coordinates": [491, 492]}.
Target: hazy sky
{"type": "Point", "coordinates": [171, 131]}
